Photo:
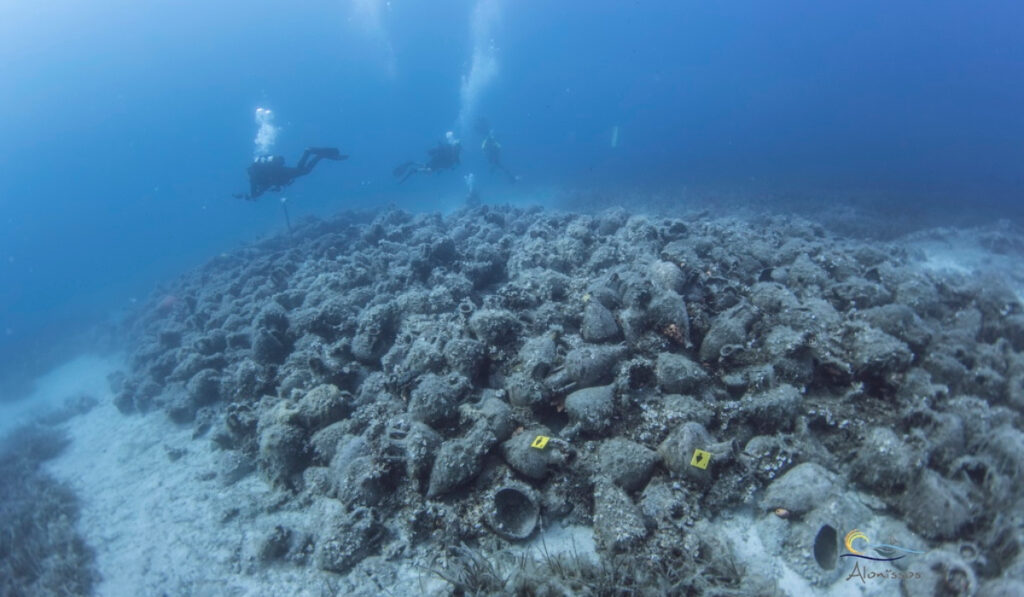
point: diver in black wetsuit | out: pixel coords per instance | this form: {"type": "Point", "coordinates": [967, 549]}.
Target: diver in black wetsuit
{"type": "Point", "coordinates": [268, 173]}
{"type": "Point", "coordinates": [492, 151]}
{"type": "Point", "coordinates": [443, 157]}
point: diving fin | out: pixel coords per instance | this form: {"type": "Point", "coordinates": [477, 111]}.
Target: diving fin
{"type": "Point", "coordinates": [402, 168]}
{"type": "Point", "coordinates": [329, 153]}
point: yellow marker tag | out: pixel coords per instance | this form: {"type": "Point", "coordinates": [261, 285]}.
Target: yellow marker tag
{"type": "Point", "coordinates": [700, 459]}
{"type": "Point", "coordinates": [540, 442]}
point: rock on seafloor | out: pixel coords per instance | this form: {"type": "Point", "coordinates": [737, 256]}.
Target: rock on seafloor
{"type": "Point", "coordinates": [431, 382]}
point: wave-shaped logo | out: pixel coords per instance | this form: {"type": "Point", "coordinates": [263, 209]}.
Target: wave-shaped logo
{"type": "Point", "coordinates": [884, 551]}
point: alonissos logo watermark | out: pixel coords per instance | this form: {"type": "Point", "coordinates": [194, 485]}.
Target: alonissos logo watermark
{"type": "Point", "coordinates": [857, 543]}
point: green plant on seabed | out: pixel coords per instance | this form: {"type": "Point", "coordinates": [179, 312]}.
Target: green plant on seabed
{"type": "Point", "coordinates": [549, 574]}
{"type": "Point", "coordinates": [470, 572]}
{"type": "Point", "coordinates": [40, 552]}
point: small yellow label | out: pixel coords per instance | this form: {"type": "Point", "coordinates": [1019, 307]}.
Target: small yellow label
{"type": "Point", "coordinates": [700, 459]}
{"type": "Point", "coordinates": [540, 442]}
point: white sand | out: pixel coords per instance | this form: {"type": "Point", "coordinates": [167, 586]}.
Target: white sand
{"type": "Point", "coordinates": [960, 252]}
{"type": "Point", "coordinates": [558, 539]}
{"type": "Point", "coordinates": [156, 524]}
{"type": "Point", "coordinates": [84, 375]}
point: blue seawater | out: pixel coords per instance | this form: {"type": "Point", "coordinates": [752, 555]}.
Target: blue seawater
{"type": "Point", "coordinates": [125, 126]}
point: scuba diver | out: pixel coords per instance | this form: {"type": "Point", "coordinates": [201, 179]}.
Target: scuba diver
{"type": "Point", "coordinates": [268, 173]}
{"type": "Point", "coordinates": [443, 157]}
{"type": "Point", "coordinates": [492, 149]}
